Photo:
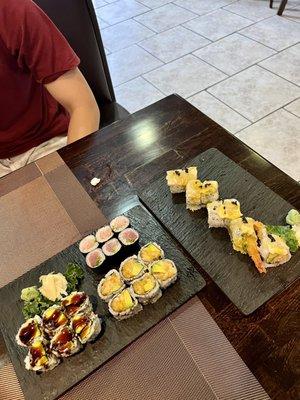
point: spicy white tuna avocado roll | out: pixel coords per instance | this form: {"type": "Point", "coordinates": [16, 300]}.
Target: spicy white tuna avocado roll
{"type": "Point", "coordinates": [53, 319]}
{"type": "Point", "coordinates": [64, 343]}
{"type": "Point", "coordinates": [146, 289]}
{"type": "Point", "coordinates": [87, 244]}
{"type": "Point", "coordinates": [131, 268]}
{"type": "Point", "coordinates": [39, 359]}
{"type": "Point", "coordinates": [222, 212]}
{"type": "Point", "coordinates": [164, 271]}
{"type": "Point", "coordinates": [86, 326]}
{"type": "Point", "coordinates": [104, 234]}
{"type": "Point", "coordinates": [198, 193]}
{"type": "Point", "coordinates": [128, 237]}
{"type": "Point", "coordinates": [124, 305]}
{"type": "Point", "coordinates": [110, 285]}
{"type": "Point", "coordinates": [119, 223]}
{"type": "Point", "coordinates": [150, 252]}
{"type": "Point", "coordinates": [178, 179]}
{"type": "Point", "coordinates": [95, 258]}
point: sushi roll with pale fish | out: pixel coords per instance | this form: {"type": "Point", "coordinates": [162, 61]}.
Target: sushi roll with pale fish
{"type": "Point", "coordinates": [178, 179]}
{"type": "Point", "coordinates": [86, 326]}
{"type": "Point", "coordinates": [222, 212]}
{"type": "Point", "coordinates": [76, 302]}
{"type": "Point", "coordinates": [53, 319]}
{"type": "Point", "coordinates": [150, 252]}
{"type": "Point", "coordinates": [164, 271]}
{"type": "Point", "coordinates": [88, 244]}
{"type": "Point", "coordinates": [124, 305]}
{"type": "Point", "coordinates": [110, 285]}
{"type": "Point", "coordinates": [198, 193]}
{"type": "Point", "coordinates": [119, 223]}
{"type": "Point", "coordinates": [104, 234]}
{"type": "Point", "coordinates": [39, 359]}
{"type": "Point", "coordinates": [30, 331]}
{"type": "Point", "coordinates": [111, 248]}
{"type": "Point", "coordinates": [64, 343]}
{"type": "Point", "coordinates": [128, 237]}
{"type": "Point", "coordinates": [146, 289]}
{"type": "Point", "coordinates": [131, 268]}
{"type": "Point", "coordinates": [95, 258]}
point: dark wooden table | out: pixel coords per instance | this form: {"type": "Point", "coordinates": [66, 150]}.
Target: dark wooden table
{"type": "Point", "coordinates": [172, 131]}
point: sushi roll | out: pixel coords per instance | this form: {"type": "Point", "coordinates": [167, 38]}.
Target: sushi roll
{"type": "Point", "coordinates": [119, 223]}
{"type": "Point", "coordinates": [124, 305]}
{"type": "Point", "coordinates": [64, 343]}
{"type": "Point", "coordinates": [112, 248]}
{"type": "Point", "coordinates": [222, 212]}
{"type": "Point", "coordinates": [146, 289]}
{"type": "Point", "coordinates": [30, 331]}
{"type": "Point", "coordinates": [39, 359]}
{"type": "Point", "coordinates": [129, 237]}
{"type": "Point", "coordinates": [95, 258]}
{"type": "Point", "coordinates": [86, 326]}
{"type": "Point", "coordinates": [178, 179]}
{"type": "Point", "coordinates": [104, 234]}
{"type": "Point", "coordinates": [53, 319]}
{"type": "Point", "coordinates": [131, 268]}
{"type": "Point", "coordinates": [241, 231]}
{"type": "Point", "coordinates": [76, 302]}
{"type": "Point", "coordinates": [110, 285]}
{"type": "Point", "coordinates": [88, 244]}
{"type": "Point", "coordinates": [164, 271]}
{"type": "Point", "coordinates": [150, 252]}
{"type": "Point", "coordinates": [198, 193]}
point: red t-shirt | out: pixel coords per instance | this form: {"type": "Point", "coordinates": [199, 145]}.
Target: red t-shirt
{"type": "Point", "coordinates": [32, 52]}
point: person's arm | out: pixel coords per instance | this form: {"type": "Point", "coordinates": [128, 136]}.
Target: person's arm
{"type": "Point", "coordinates": [73, 92]}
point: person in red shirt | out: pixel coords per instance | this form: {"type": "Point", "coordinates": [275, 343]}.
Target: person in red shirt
{"type": "Point", "coordinates": [45, 101]}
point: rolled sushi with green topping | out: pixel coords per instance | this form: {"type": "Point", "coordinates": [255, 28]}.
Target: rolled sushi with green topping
{"type": "Point", "coordinates": [110, 285]}
{"type": "Point", "coordinates": [164, 271]}
{"type": "Point", "coordinates": [124, 305]}
{"type": "Point", "coordinates": [88, 244]}
{"type": "Point", "coordinates": [119, 223]}
{"type": "Point", "coordinates": [104, 234]}
{"type": "Point", "coordinates": [95, 258]}
{"type": "Point", "coordinates": [146, 289]}
{"type": "Point", "coordinates": [131, 268]}
{"type": "Point", "coordinates": [150, 252]}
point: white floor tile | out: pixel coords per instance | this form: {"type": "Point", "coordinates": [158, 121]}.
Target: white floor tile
{"type": "Point", "coordinates": [174, 43]}
{"type": "Point", "coordinates": [277, 138]}
{"type": "Point", "coordinates": [255, 92]}
{"type": "Point", "coordinates": [252, 9]}
{"type": "Point", "coordinates": [219, 112]}
{"type": "Point", "coordinates": [202, 6]}
{"type": "Point", "coordinates": [185, 76]}
{"type": "Point", "coordinates": [154, 3]}
{"type": "Point", "coordinates": [120, 11]}
{"type": "Point", "coordinates": [224, 55]}
{"type": "Point", "coordinates": [99, 3]}
{"type": "Point", "coordinates": [294, 107]}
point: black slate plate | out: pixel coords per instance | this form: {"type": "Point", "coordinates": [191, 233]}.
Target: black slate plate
{"type": "Point", "coordinates": [233, 272]}
{"type": "Point", "coordinates": [116, 336]}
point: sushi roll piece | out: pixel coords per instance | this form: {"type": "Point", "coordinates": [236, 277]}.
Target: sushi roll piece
{"type": "Point", "coordinates": [198, 193]}
{"type": "Point", "coordinates": [110, 285]}
{"type": "Point", "coordinates": [150, 252]}
{"type": "Point", "coordinates": [64, 343]}
{"type": "Point", "coordinates": [112, 248]}
{"type": "Point", "coordinates": [86, 327]}
{"type": "Point", "coordinates": [53, 319]}
{"type": "Point", "coordinates": [119, 223]}
{"type": "Point", "coordinates": [131, 268]}
{"type": "Point", "coordinates": [76, 302]}
{"type": "Point", "coordinates": [178, 179]}
{"type": "Point", "coordinates": [129, 237]}
{"type": "Point", "coordinates": [39, 359]}
{"type": "Point", "coordinates": [222, 212]}
{"type": "Point", "coordinates": [30, 331]}
{"type": "Point", "coordinates": [104, 234]}
{"type": "Point", "coordinates": [95, 258]}
{"type": "Point", "coordinates": [88, 244]}
{"type": "Point", "coordinates": [124, 305]}
{"type": "Point", "coordinates": [164, 271]}
{"type": "Point", "coordinates": [146, 289]}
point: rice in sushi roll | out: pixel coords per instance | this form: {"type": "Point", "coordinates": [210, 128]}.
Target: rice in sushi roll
{"type": "Point", "coordinates": [124, 305]}
{"type": "Point", "coordinates": [64, 343]}
{"type": "Point", "coordinates": [111, 248]}
{"type": "Point", "coordinates": [39, 359]}
{"type": "Point", "coordinates": [119, 223]}
{"type": "Point", "coordinates": [222, 212]}
{"type": "Point", "coordinates": [76, 302]}
{"type": "Point", "coordinates": [150, 252]}
{"type": "Point", "coordinates": [146, 289]}
{"type": "Point", "coordinates": [128, 237]}
{"type": "Point", "coordinates": [30, 331]}
{"type": "Point", "coordinates": [178, 179]}
{"type": "Point", "coordinates": [95, 258]}
{"type": "Point", "coordinates": [110, 285]}
{"type": "Point", "coordinates": [104, 234]}
{"type": "Point", "coordinates": [131, 268]}
{"type": "Point", "coordinates": [86, 326]}
{"type": "Point", "coordinates": [53, 319]}
{"type": "Point", "coordinates": [88, 244]}
{"type": "Point", "coordinates": [198, 193]}
{"type": "Point", "coordinates": [164, 271]}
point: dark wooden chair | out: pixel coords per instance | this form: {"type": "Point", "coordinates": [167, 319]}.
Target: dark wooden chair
{"type": "Point", "coordinates": [281, 6]}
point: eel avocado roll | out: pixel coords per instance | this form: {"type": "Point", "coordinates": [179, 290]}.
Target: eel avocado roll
{"type": "Point", "coordinates": [86, 327]}
{"type": "Point", "coordinates": [95, 258]}
{"type": "Point", "coordinates": [146, 289]}
{"type": "Point", "coordinates": [164, 271]}
{"type": "Point", "coordinates": [150, 252]}
{"type": "Point", "coordinates": [119, 223]}
{"type": "Point", "coordinates": [110, 285]}
{"type": "Point", "coordinates": [88, 244]}
{"type": "Point", "coordinates": [64, 343]}
{"type": "Point", "coordinates": [53, 319]}
{"type": "Point", "coordinates": [129, 237]}
{"type": "Point", "coordinates": [76, 302]}
{"type": "Point", "coordinates": [131, 268]}
{"type": "Point", "coordinates": [39, 359]}
{"type": "Point", "coordinates": [222, 212]}
{"type": "Point", "coordinates": [198, 193]}
{"type": "Point", "coordinates": [177, 179]}
{"type": "Point", "coordinates": [124, 305]}
{"type": "Point", "coordinates": [104, 234]}
{"type": "Point", "coordinates": [112, 249]}
{"type": "Point", "coordinates": [30, 331]}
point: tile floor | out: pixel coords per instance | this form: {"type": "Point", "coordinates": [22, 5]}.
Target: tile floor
{"type": "Point", "coordinates": [235, 60]}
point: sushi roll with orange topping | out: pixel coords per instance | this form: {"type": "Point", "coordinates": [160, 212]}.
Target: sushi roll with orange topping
{"type": "Point", "coordinates": [198, 194]}
{"type": "Point", "coordinates": [124, 305]}
{"type": "Point", "coordinates": [178, 179]}
{"type": "Point", "coordinates": [164, 271]}
{"type": "Point", "coordinates": [150, 252]}
{"type": "Point", "coordinates": [86, 327]}
{"type": "Point", "coordinates": [222, 212]}
{"type": "Point", "coordinates": [53, 319]}
{"type": "Point", "coordinates": [146, 289]}
{"type": "Point", "coordinates": [39, 359]}
{"type": "Point", "coordinates": [76, 302]}
{"type": "Point", "coordinates": [110, 285]}
{"type": "Point", "coordinates": [131, 268]}
{"type": "Point", "coordinates": [64, 343]}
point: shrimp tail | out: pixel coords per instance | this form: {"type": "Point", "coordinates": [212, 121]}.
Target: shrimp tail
{"type": "Point", "coordinates": [254, 254]}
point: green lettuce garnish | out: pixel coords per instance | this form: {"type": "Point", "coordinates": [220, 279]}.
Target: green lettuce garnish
{"type": "Point", "coordinates": [74, 275]}
{"type": "Point", "coordinates": [293, 217]}
{"type": "Point", "coordinates": [287, 234]}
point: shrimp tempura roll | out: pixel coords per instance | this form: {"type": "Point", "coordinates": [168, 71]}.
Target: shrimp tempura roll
{"type": "Point", "coordinates": [222, 212]}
